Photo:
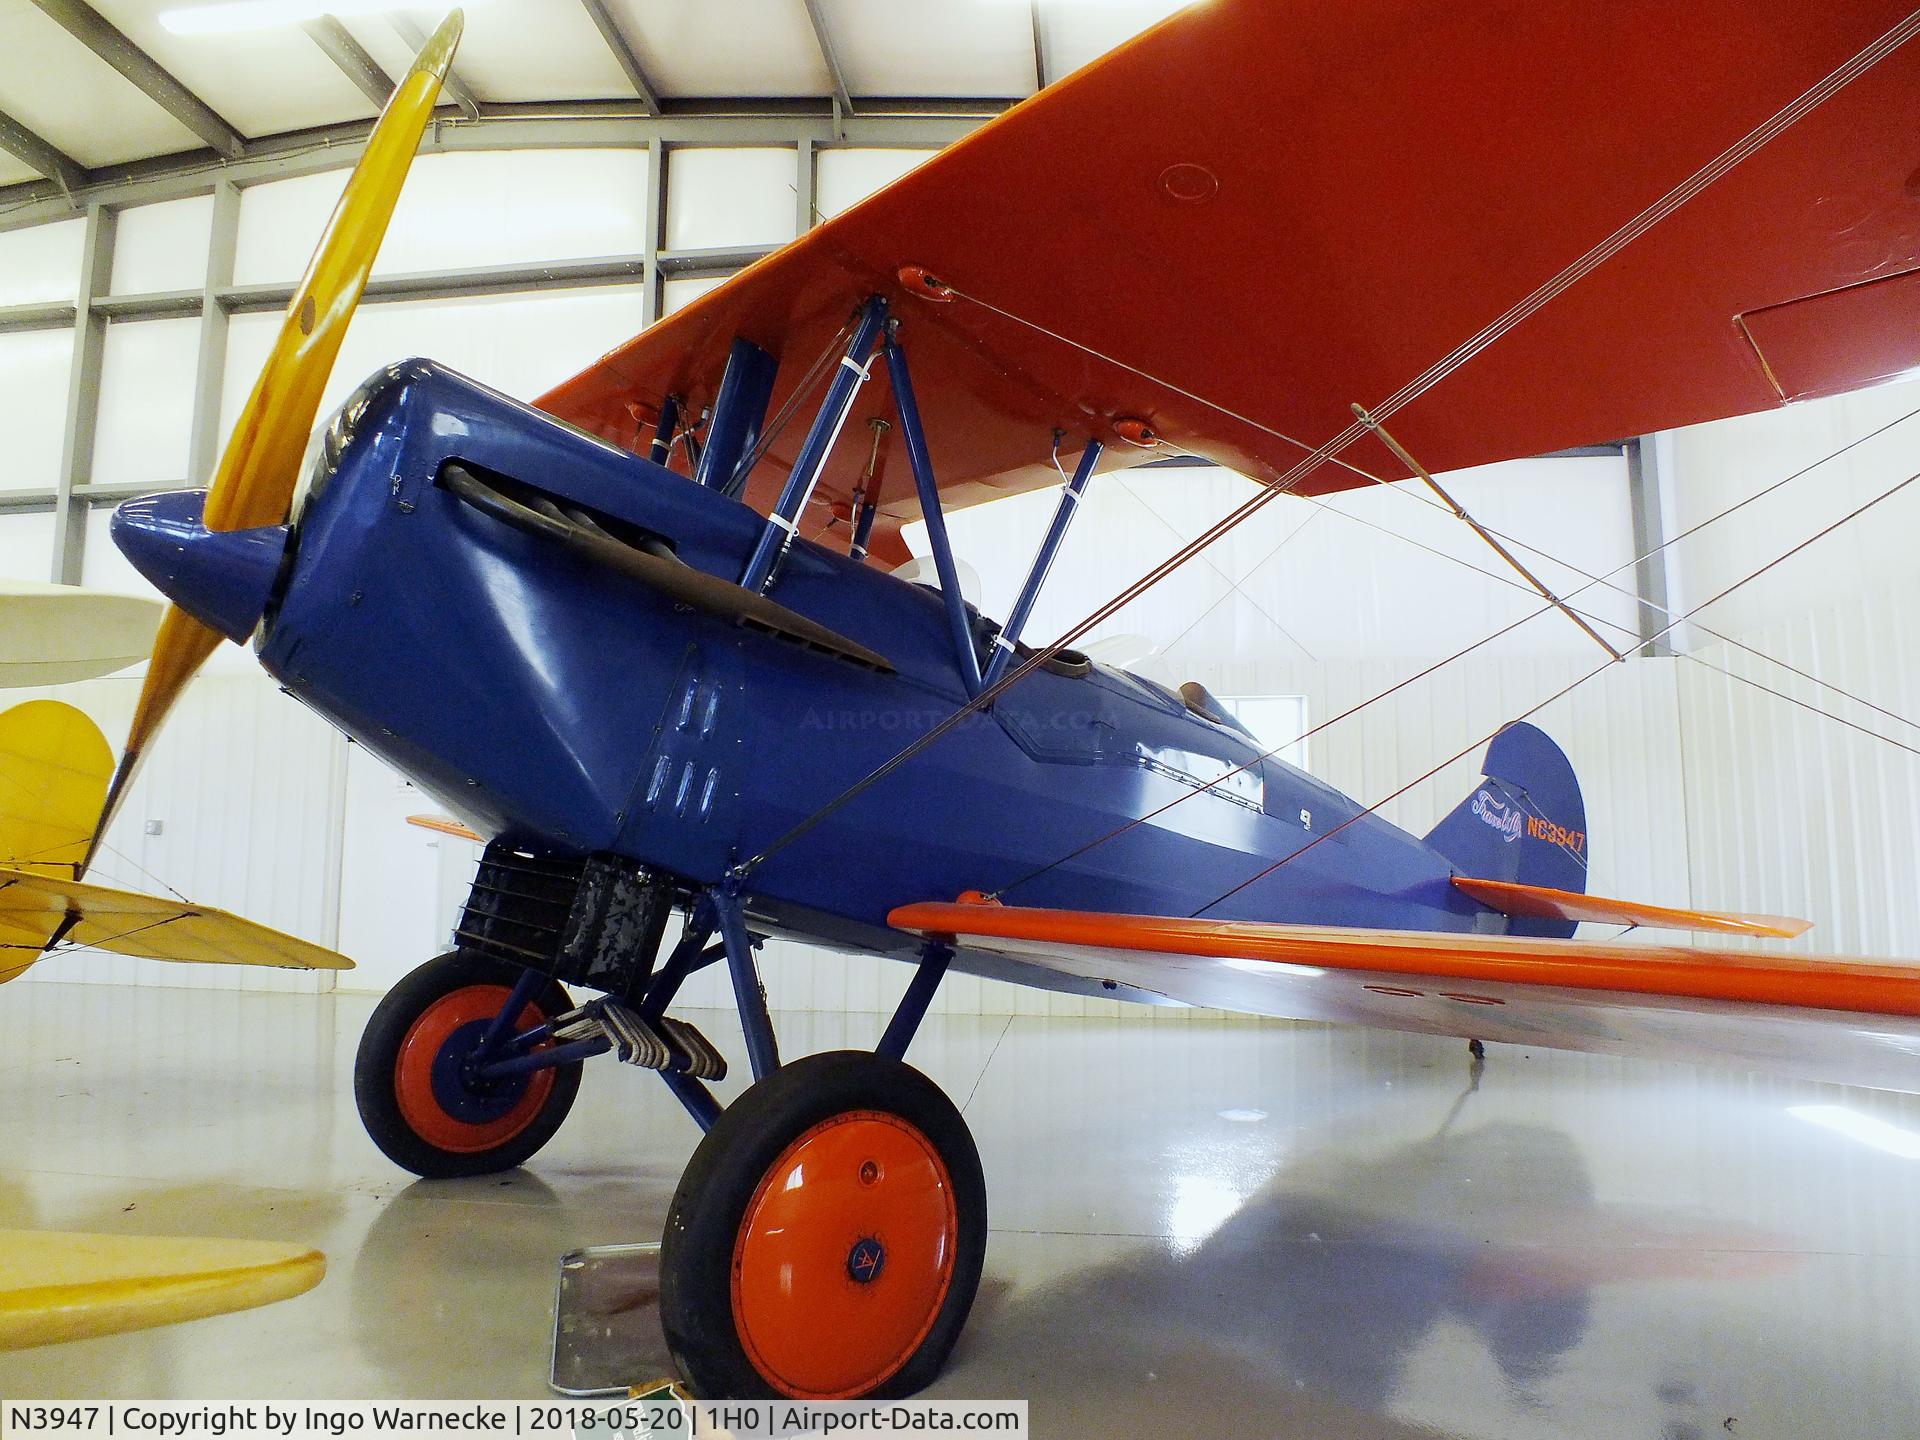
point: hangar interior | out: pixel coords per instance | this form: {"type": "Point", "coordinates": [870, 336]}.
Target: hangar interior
{"type": "Point", "coordinates": [1350, 1233]}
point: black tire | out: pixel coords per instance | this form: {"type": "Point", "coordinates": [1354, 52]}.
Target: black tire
{"type": "Point", "coordinates": [701, 1263]}
{"type": "Point", "coordinates": [377, 1082]}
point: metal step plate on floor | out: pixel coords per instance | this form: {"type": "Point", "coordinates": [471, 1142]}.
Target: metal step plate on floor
{"type": "Point", "coordinates": [606, 1322]}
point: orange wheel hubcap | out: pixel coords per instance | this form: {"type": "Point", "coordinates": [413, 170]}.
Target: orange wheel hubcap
{"type": "Point", "coordinates": [413, 1077]}
{"type": "Point", "coordinates": [845, 1256]}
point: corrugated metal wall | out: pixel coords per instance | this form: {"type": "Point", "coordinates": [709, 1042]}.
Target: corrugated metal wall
{"type": "Point", "coordinates": [1791, 811]}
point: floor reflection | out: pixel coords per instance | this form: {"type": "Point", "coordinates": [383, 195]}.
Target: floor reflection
{"type": "Point", "coordinates": [430, 1262]}
{"type": "Point", "coordinates": [1317, 1296]}
{"type": "Point", "coordinates": [1199, 1228]}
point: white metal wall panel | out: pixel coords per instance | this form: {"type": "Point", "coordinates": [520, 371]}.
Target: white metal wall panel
{"type": "Point", "coordinates": [34, 367]}
{"type": "Point", "coordinates": [1792, 811]}
{"type": "Point", "coordinates": [843, 178]}
{"type": "Point", "coordinates": [146, 402]}
{"type": "Point", "coordinates": [161, 247]}
{"type": "Point", "coordinates": [41, 263]}
{"type": "Point", "coordinates": [486, 208]}
{"type": "Point", "coordinates": [26, 549]}
{"type": "Point", "coordinates": [1851, 450]}
{"type": "Point", "coordinates": [719, 197]}
{"type": "Point", "coordinates": [1789, 810]}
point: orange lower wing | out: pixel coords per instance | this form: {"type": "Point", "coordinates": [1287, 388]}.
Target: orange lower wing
{"type": "Point", "coordinates": [1824, 1017]}
{"type": "Point", "coordinates": [1543, 902]}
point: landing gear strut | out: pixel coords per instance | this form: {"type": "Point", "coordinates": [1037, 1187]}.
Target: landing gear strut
{"type": "Point", "coordinates": [826, 1239]}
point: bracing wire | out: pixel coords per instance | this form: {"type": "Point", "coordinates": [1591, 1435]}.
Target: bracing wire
{"type": "Point", "coordinates": [1594, 581]}
{"type": "Point", "coordinates": [1307, 734]}
{"type": "Point", "coordinates": [784, 414]}
{"type": "Point", "coordinates": [1758, 654]}
{"type": "Point", "coordinates": [1720, 636]}
{"type": "Point", "coordinates": [1606, 581]}
{"type": "Point", "coordinates": [103, 942]}
{"type": "Point", "coordinates": [1419, 779]}
{"type": "Point", "coordinates": [1761, 135]}
{"type": "Point", "coordinates": [1675, 622]}
{"type": "Point", "coordinates": [1234, 586]}
{"type": "Point", "coordinates": [1561, 693]}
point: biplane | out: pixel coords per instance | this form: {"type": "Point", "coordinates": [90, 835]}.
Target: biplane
{"type": "Point", "coordinates": [640, 635]}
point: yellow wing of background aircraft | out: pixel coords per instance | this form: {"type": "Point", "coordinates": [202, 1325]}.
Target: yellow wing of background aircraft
{"type": "Point", "coordinates": [54, 769]}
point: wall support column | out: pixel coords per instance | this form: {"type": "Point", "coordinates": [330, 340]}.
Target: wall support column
{"type": "Point", "coordinates": [83, 396]}
{"type": "Point", "coordinates": [210, 365]}
{"type": "Point", "coordinates": [655, 298]}
{"type": "Point", "coordinates": [803, 219]}
{"type": "Point", "coordinates": [1650, 572]}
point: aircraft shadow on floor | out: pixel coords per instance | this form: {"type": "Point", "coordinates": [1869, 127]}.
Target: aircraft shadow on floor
{"type": "Point", "coordinates": [1313, 1299]}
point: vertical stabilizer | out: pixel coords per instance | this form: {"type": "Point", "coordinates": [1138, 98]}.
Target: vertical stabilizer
{"type": "Point", "coordinates": [1525, 823]}
{"type": "Point", "coordinates": [54, 765]}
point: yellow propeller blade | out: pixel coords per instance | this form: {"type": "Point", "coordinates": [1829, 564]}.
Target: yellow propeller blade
{"type": "Point", "coordinates": [261, 466]}
{"type": "Point", "coordinates": [255, 481]}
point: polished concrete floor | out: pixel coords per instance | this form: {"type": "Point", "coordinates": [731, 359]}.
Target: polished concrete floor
{"type": "Point", "coordinates": [1228, 1228]}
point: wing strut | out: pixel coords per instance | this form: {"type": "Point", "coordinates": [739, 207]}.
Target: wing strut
{"type": "Point", "coordinates": [866, 504]}
{"type": "Point", "coordinates": [1070, 493]}
{"type": "Point", "coordinates": [914, 436]}
{"type": "Point", "coordinates": [1367, 419]}
{"type": "Point", "coordinates": [784, 519]}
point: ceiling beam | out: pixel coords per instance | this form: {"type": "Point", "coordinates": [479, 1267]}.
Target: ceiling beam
{"type": "Point", "coordinates": [30, 149]}
{"type": "Point", "coordinates": [453, 87]}
{"type": "Point", "coordinates": [338, 45]}
{"type": "Point", "coordinates": [832, 56]}
{"type": "Point", "coordinates": [900, 122]}
{"type": "Point", "coordinates": [86, 25]}
{"type": "Point", "coordinates": [617, 42]}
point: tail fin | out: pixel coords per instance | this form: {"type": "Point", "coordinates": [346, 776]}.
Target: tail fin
{"type": "Point", "coordinates": [54, 764]}
{"type": "Point", "coordinates": [1525, 823]}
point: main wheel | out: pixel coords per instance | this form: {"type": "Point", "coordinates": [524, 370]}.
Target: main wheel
{"type": "Point", "coordinates": [416, 1094]}
{"type": "Point", "coordinates": [827, 1237]}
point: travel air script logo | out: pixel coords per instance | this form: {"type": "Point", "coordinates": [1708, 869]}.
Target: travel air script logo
{"type": "Point", "coordinates": [1512, 824]}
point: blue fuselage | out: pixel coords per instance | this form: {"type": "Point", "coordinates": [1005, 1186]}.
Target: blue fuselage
{"type": "Point", "coordinates": [562, 705]}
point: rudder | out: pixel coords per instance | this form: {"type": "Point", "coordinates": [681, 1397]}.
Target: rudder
{"type": "Point", "coordinates": [1526, 822]}
{"type": "Point", "coordinates": [54, 768]}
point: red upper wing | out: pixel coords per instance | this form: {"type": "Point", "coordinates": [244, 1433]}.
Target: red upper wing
{"type": "Point", "coordinates": [1257, 214]}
